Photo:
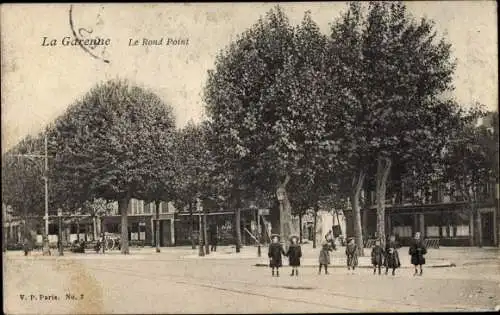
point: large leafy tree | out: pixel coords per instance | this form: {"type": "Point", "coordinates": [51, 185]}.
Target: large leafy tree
{"type": "Point", "coordinates": [196, 176]}
{"type": "Point", "coordinates": [402, 69]}
{"type": "Point", "coordinates": [22, 179]}
{"type": "Point", "coordinates": [110, 143]}
{"type": "Point", "coordinates": [250, 125]}
{"type": "Point", "coordinates": [267, 100]}
{"type": "Point", "coordinates": [470, 162]}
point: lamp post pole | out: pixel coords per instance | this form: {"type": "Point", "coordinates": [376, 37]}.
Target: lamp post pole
{"type": "Point", "coordinates": [59, 236]}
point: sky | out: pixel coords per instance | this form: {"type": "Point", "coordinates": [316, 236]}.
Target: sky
{"type": "Point", "coordinates": [40, 82]}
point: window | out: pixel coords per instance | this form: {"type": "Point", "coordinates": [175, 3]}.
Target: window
{"type": "Point", "coordinates": [148, 207]}
{"type": "Point", "coordinates": [432, 231]}
{"type": "Point", "coordinates": [402, 231]}
{"type": "Point", "coordinates": [462, 230]}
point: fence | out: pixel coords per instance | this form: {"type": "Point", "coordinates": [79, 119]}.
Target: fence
{"type": "Point", "coordinates": [431, 243]}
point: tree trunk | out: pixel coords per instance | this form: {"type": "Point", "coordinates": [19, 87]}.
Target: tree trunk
{"type": "Point", "coordinates": [383, 168]}
{"type": "Point", "coordinates": [157, 226]}
{"type": "Point", "coordinates": [479, 230]}
{"type": "Point", "coordinates": [238, 227]}
{"type": "Point", "coordinates": [94, 227]}
{"type": "Point", "coordinates": [123, 207]}
{"type": "Point", "coordinates": [285, 212]}
{"type": "Point", "coordinates": [78, 229]}
{"type": "Point", "coordinates": [300, 228]}
{"type": "Point", "coordinates": [191, 230]}
{"type": "Point", "coordinates": [316, 208]}
{"type": "Point", "coordinates": [358, 231]}
{"type": "Point", "coordinates": [205, 233]}
{"type": "Point", "coordinates": [471, 225]}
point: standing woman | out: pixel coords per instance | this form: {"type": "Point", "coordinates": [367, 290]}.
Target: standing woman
{"type": "Point", "coordinates": [351, 251]}
{"type": "Point", "coordinates": [294, 254]}
{"type": "Point", "coordinates": [391, 255]}
{"type": "Point", "coordinates": [417, 252]}
{"type": "Point", "coordinates": [274, 254]}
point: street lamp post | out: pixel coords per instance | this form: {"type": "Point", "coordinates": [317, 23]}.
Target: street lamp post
{"type": "Point", "coordinates": [46, 250]}
{"type": "Point", "coordinates": [280, 194]}
{"type": "Point", "coordinates": [257, 212]}
{"type": "Point", "coordinates": [59, 237]}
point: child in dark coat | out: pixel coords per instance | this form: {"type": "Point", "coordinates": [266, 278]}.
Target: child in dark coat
{"type": "Point", "coordinates": [377, 257]}
{"type": "Point", "coordinates": [274, 254]}
{"type": "Point", "coordinates": [26, 247]}
{"type": "Point", "coordinates": [324, 258]}
{"type": "Point", "coordinates": [294, 254]}
{"type": "Point", "coordinates": [392, 256]}
{"type": "Point", "coordinates": [417, 252]}
{"type": "Point", "coordinates": [351, 252]}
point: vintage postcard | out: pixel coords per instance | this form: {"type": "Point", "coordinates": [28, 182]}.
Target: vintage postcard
{"type": "Point", "coordinates": [310, 157]}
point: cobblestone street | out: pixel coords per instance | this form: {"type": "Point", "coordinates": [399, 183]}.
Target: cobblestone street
{"type": "Point", "coordinates": [171, 282]}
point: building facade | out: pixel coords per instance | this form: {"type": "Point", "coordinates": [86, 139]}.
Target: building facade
{"type": "Point", "coordinates": [438, 215]}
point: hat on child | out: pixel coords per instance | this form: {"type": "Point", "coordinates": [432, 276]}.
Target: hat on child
{"type": "Point", "coordinates": [276, 235]}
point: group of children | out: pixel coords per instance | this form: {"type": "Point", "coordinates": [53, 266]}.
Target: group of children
{"type": "Point", "coordinates": [387, 257]}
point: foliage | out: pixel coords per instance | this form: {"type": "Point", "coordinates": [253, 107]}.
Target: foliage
{"type": "Point", "coordinates": [112, 142]}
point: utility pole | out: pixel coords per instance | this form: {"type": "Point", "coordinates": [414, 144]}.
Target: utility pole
{"type": "Point", "coordinates": [46, 250]}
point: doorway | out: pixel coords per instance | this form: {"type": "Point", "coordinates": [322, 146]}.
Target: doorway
{"type": "Point", "coordinates": [487, 228]}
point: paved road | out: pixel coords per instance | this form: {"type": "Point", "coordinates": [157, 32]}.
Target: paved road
{"type": "Point", "coordinates": [146, 282]}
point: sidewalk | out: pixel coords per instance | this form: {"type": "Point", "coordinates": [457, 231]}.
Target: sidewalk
{"type": "Point", "coordinates": [442, 257]}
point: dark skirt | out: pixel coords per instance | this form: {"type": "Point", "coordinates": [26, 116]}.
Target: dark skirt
{"type": "Point", "coordinates": [417, 260]}
{"type": "Point", "coordinates": [392, 261]}
{"type": "Point", "coordinates": [275, 263]}
{"type": "Point", "coordinates": [352, 260]}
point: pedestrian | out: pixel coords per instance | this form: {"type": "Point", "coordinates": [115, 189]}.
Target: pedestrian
{"type": "Point", "coordinates": [26, 247]}
{"type": "Point", "coordinates": [274, 254]}
{"type": "Point", "coordinates": [329, 239]}
{"type": "Point", "coordinates": [294, 254]}
{"type": "Point", "coordinates": [324, 257]}
{"type": "Point", "coordinates": [213, 238]}
{"type": "Point", "coordinates": [417, 252]}
{"type": "Point", "coordinates": [391, 255]}
{"type": "Point", "coordinates": [351, 252]}
{"type": "Point", "coordinates": [377, 257]}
